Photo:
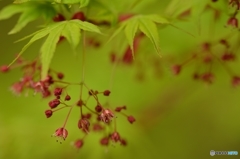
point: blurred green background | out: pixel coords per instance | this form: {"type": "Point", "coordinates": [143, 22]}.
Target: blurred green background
{"type": "Point", "coordinates": [177, 117]}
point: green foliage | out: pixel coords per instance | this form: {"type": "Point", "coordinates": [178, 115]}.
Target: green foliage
{"type": "Point", "coordinates": [83, 3]}
{"type": "Point", "coordinates": [70, 29]}
{"type": "Point", "coordinates": [30, 12]}
{"type": "Point", "coordinates": [146, 24]}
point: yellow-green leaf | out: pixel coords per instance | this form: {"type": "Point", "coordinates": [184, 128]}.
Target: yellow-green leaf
{"type": "Point", "coordinates": [83, 3]}
{"type": "Point", "coordinates": [72, 33]}
{"type": "Point", "coordinates": [24, 19]}
{"type": "Point", "coordinates": [70, 29]}
{"type": "Point", "coordinates": [130, 31]}
{"type": "Point", "coordinates": [158, 19]}
{"type": "Point", "coordinates": [48, 49]}
{"type": "Point", "coordinates": [86, 26]}
{"type": "Point", "coordinates": [149, 28]}
{"type": "Point", "coordinates": [117, 32]}
{"type": "Point", "coordinates": [35, 36]}
{"type": "Point", "coordinates": [10, 10]}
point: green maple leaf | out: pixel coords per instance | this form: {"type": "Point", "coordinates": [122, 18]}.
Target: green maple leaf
{"type": "Point", "coordinates": [30, 12]}
{"type": "Point", "coordinates": [83, 3]}
{"type": "Point", "coordinates": [196, 7]}
{"type": "Point", "coordinates": [146, 24]}
{"type": "Point", "coordinates": [69, 29]}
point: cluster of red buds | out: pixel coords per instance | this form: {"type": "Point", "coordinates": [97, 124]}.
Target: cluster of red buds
{"type": "Point", "coordinates": [206, 57]}
{"type": "Point", "coordinates": [92, 118]}
{"type": "Point", "coordinates": [30, 79]}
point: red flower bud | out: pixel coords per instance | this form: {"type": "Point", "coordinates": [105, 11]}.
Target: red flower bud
{"type": "Point", "coordinates": [106, 93]}
{"type": "Point", "coordinates": [61, 133]}
{"type": "Point", "coordinates": [60, 75]}
{"type": "Point", "coordinates": [104, 141]}
{"type": "Point", "coordinates": [79, 16]}
{"type": "Point", "coordinates": [131, 119]}
{"type": "Point", "coordinates": [58, 91]}
{"type": "Point", "coordinates": [98, 108]}
{"type": "Point", "coordinates": [176, 69]}
{"type": "Point", "coordinates": [67, 98]}
{"type": "Point", "coordinates": [115, 136]}
{"type": "Point", "coordinates": [78, 143]}
{"type": "Point", "coordinates": [48, 113]}
{"type": "Point", "coordinates": [233, 22]}
{"type": "Point", "coordinates": [58, 18]}
{"type": "Point", "coordinates": [4, 68]}
{"type": "Point", "coordinates": [84, 124]}
{"type": "Point", "coordinates": [54, 103]}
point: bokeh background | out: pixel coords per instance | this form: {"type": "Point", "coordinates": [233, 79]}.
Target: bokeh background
{"type": "Point", "coordinates": [177, 117]}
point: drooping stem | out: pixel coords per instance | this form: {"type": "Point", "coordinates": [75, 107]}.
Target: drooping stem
{"type": "Point", "coordinates": [60, 108]}
{"type": "Point", "coordinates": [90, 110]}
{"type": "Point", "coordinates": [69, 112]}
{"type": "Point", "coordinates": [83, 55]}
{"type": "Point", "coordinates": [83, 70]}
{"type": "Point", "coordinates": [229, 71]}
{"type": "Point", "coordinates": [112, 75]}
{"type": "Point", "coordinates": [115, 124]}
{"type": "Point", "coordinates": [94, 96]}
{"type": "Point", "coordinates": [64, 82]}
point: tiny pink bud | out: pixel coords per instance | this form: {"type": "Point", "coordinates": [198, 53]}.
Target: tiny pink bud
{"type": "Point", "coordinates": [79, 16]}
{"type": "Point", "coordinates": [67, 98]}
{"type": "Point", "coordinates": [233, 22]}
{"type": "Point", "coordinates": [206, 46]}
{"type": "Point", "coordinates": [58, 91]}
{"type": "Point", "coordinates": [48, 113]}
{"type": "Point", "coordinates": [224, 42]}
{"type": "Point", "coordinates": [61, 133]}
{"type": "Point", "coordinates": [54, 103]}
{"type": "Point", "coordinates": [131, 119]}
{"type": "Point", "coordinates": [80, 103]}
{"type": "Point", "coordinates": [228, 57]}
{"type": "Point", "coordinates": [106, 115]}
{"type": "Point", "coordinates": [98, 108]}
{"type": "Point", "coordinates": [123, 142]}
{"type": "Point", "coordinates": [97, 127]}
{"type": "Point", "coordinates": [58, 18]}
{"type": "Point", "coordinates": [176, 69]}
{"type": "Point", "coordinates": [106, 93]}
{"type": "Point", "coordinates": [104, 141]}
{"type": "Point", "coordinates": [4, 68]}
{"type": "Point", "coordinates": [87, 116]}
{"type": "Point", "coordinates": [115, 136]}
{"type": "Point", "coordinates": [208, 77]}
{"type": "Point", "coordinates": [84, 125]}
{"type": "Point", "coordinates": [236, 81]}
{"type": "Point", "coordinates": [60, 75]}
{"type": "Point", "coordinates": [78, 143]}
{"type": "Point", "coordinates": [118, 109]}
